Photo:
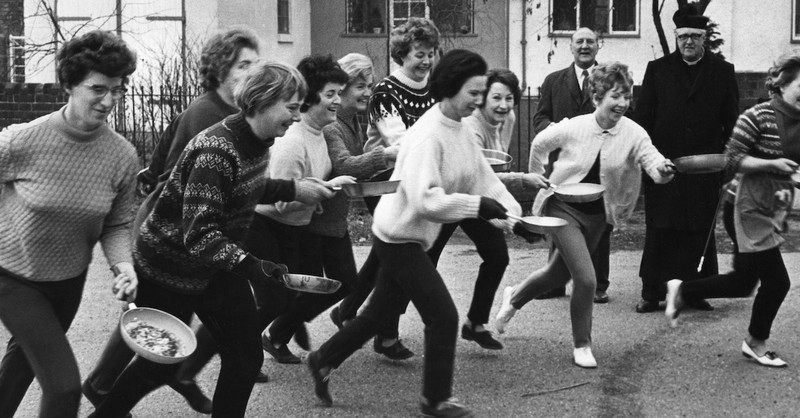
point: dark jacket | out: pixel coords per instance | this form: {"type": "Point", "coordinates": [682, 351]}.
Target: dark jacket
{"type": "Point", "coordinates": [685, 118]}
{"type": "Point", "coordinates": [560, 98]}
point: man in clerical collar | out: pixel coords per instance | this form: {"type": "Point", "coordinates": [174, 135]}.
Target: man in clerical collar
{"type": "Point", "coordinates": [688, 104]}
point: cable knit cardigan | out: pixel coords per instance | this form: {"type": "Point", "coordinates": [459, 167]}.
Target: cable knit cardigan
{"type": "Point", "coordinates": [443, 175]}
{"type": "Point", "coordinates": [624, 150]}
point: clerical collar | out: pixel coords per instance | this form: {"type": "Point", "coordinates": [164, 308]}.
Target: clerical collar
{"type": "Point", "coordinates": [698, 60]}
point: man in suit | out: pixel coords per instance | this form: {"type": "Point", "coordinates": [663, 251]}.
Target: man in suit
{"type": "Point", "coordinates": [688, 104]}
{"type": "Point", "coordinates": [565, 94]}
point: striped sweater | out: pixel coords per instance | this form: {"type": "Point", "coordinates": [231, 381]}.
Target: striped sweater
{"type": "Point", "coordinates": [201, 218]}
{"type": "Point", "coordinates": [63, 191]}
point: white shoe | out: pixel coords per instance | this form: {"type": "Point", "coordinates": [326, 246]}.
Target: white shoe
{"type": "Point", "coordinates": [769, 359]}
{"type": "Point", "coordinates": [506, 310]}
{"type": "Point", "coordinates": [582, 357]}
{"type": "Point", "coordinates": [674, 305]}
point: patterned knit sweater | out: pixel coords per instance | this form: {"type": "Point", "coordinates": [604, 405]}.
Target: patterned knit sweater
{"type": "Point", "coordinates": [197, 225]}
{"type": "Point", "coordinates": [756, 134]}
{"type": "Point", "coordinates": [63, 190]}
{"type": "Point", "coordinates": [443, 175]}
{"type": "Point", "coordinates": [395, 105]}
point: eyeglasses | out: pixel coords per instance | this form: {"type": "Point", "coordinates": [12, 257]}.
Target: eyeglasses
{"type": "Point", "coordinates": [101, 91]}
{"type": "Point", "coordinates": [694, 36]}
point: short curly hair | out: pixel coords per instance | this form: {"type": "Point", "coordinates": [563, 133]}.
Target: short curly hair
{"type": "Point", "coordinates": [356, 65]}
{"type": "Point", "coordinates": [783, 71]}
{"type": "Point", "coordinates": [404, 36]}
{"type": "Point", "coordinates": [607, 76]}
{"type": "Point", "coordinates": [319, 70]}
{"type": "Point", "coordinates": [505, 77]}
{"type": "Point", "coordinates": [453, 70]}
{"type": "Point", "coordinates": [221, 51]}
{"type": "Point", "coordinates": [98, 50]}
{"type": "Point", "coordinates": [267, 83]}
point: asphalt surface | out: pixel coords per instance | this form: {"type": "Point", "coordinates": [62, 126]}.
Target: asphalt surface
{"type": "Point", "coordinates": [645, 368]}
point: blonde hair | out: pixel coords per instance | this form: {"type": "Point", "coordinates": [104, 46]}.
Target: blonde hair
{"type": "Point", "coordinates": [267, 83]}
{"type": "Point", "coordinates": [783, 72]}
{"type": "Point", "coordinates": [356, 65]}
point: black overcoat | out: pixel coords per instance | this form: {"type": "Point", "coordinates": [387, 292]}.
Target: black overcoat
{"type": "Point", "coordinates": [685, 118]}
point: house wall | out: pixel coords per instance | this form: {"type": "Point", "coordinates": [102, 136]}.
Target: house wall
{"type": "Point", "coordinates": [261, 15]}
{"type": "Point", "coordinates": [328, 20]}
{"type": "Point", "coordinates": [754, 36]}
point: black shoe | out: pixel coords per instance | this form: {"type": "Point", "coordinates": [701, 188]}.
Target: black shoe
{"type": "Point", "coordinates": [301, 337]}
{"type": "Point", "coordinates": [699, 304]}
{"type": "Point", "coordinates": [335, 317]}
{"type": "Point", "coordinates": [483, 338]}
{"type": "Point", "coordinates": [95, 397]}
{"type": "Point", "coordinates": [645, 306]}
{"type": "Point", "coordinates": [550, 294]}
{"type": "Point", "coordinates": [320, 381]}
{"type": "Point", "coordinates": [449, 408]}
{"type": "Point", "coordinates": [193, 395]}
{"type": "Point", "coordinates": [600, 296]}
{"type": "Point", "coordinates": [396, 351]}
{"type": "Point", "coordinates": [281, 354]}
{"type": "Point", "coordinates": [262, 377]}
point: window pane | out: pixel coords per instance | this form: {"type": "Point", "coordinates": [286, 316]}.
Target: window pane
{"type": "Point", "coordinates": [564, 14]}
{"type": "Point", "coordinates": [453, 16]}
{"type": "Point", "coordinates": [283, 16]}
{"type": "Point", "coordinates": [366, 16]}
{"type": "Point", "coordinates": [417, 8]}
{"type": "Point", "coordinates": [797, 18]}
{"type": "Point", "coordinates": [594, 15]}
{"type": "Point", "coordinates": [624, 16]}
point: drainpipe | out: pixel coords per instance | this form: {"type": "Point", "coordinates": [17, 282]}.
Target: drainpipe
{"type": "Point", "coordinates": [524, 42]}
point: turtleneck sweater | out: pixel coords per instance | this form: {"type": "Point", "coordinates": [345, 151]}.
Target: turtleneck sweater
{"type": "Point", "coordinates": [757, 133]}
{"type": "Point", "coordinates": [64, 189]}
{"type": "Point", "coordinates": [397, 102]}
{"type": "Point", "coordinates": [300, 153]}
{"type": "Point", "coordinates": [496, 137]}
{"type": "Point", "coordinates": [200, 220]}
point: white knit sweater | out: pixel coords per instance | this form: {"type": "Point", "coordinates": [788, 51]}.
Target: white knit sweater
{"type": "Point", "coordinates": [301, 152]}
{"type": "Point", "coordinates": [442, 175]}
{"type": "Point", "coordinates": [624, 150]}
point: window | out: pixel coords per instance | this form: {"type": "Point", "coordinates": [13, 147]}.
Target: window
{"type": "Point", "coordinates": [613, 17]}
{"type": "Point", "coordinates": [450, 16]}
{"type": "Point", "coordinates": [283, 16]}
{"type": "Point", "coordinates": [16, 59]}
{"type": "Point", "coordinates": [796, 21]}
{"type": "Point", "coordinates": [366, 16]}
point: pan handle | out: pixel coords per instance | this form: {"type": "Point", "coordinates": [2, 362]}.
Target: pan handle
{"type": "Point", "coordinates": [514, 217]}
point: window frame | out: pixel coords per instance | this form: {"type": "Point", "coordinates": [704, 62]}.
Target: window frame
{"type": "Point", "coordinates": [611, 32]}
{"type": "Point", "coordinates": [794, 35]}
{"type": "Point", "coordinates": [288, 17]}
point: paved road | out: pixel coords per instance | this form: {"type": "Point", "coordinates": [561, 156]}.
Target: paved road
{"type": "Point", "coordinates": [645, 368]}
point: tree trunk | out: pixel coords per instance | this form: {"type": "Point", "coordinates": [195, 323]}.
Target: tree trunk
{"type": "Point", "coordinates": [662, 38]}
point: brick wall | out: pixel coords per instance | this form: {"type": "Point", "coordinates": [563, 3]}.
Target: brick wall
{"type": "Point", "coordinates": [11, 23]}
{"type": "Point", "coordinates": [24, 102]}
{"type": "Point", "coordinates": [751, 89]}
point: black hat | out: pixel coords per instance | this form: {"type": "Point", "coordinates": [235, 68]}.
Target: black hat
{"type": "Point", "coordinates": [688, 17]}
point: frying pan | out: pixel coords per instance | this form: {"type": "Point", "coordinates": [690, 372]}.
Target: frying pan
{"type": "Point", "coordinates": [499, 160]}
{"type": "Point", "coordinates": [701, 163]}
{"type": "Point", "coordinates": [311, 284]}
{"type": "Point", "coordinates": [539, 224]}
{"type": "Point", "coordinates": [369, 188]}
{"type": "Point", "coordinates": [159, 319]}
{"type": "Point", "coordinates": [578, 192]}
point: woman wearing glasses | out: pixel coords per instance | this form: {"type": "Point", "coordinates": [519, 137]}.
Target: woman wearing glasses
{"type": "Point", "coordinates": [68, 181]}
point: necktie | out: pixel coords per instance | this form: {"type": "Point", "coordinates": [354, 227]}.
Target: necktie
{"type": "Point", "coordinates": [585, 84]}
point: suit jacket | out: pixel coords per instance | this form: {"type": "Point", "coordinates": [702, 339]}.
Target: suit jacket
{"type": "Point", "coordinates": [685, 118]}
{"type": "Point", "coordinates": [560, 98]}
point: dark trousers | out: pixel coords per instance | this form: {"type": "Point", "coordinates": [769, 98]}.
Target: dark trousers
{"type": "Point", "coordinates": [38, 315]}
{"type": "Point", "coordinates": [405, 270]}
{"type": "Point", "coordinates": [600, 260]}
{"type": "Point", "coordinates": [672, 254]}
{"type": "Point", "coordinates": [228, 311]}
{"type": "Point", "coordinates": [766, 266]}
{"type": "Point", "coordinates": [320, 255]}
{"type": "Point", "coordinates": [490, 242]}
